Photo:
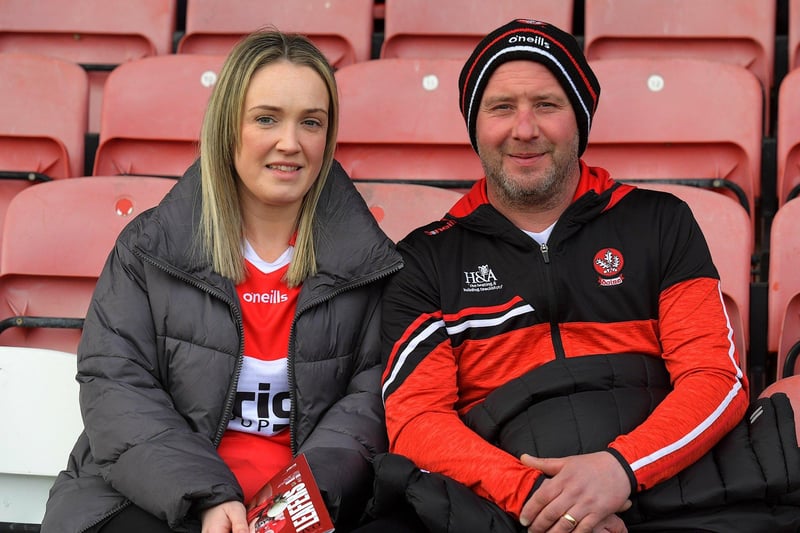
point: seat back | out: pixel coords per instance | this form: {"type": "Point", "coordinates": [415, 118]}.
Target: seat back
{"type": "Point", "coordinates": [741, 32]}
{"type": "Point", "coordinates": [40, 412]}
{"type": "Point", "coordinates": [152, 113]}
{"type": "Point", "coordinates": [42, 130]}
{"type": "Point", "coordinates": [441, 29]}
{"type": "Point", "coordinates": [672, 119]}
{"type": "Point", "coordinates": [56, 240]}
{"type": "Point", "coordinates": [783, 327]}
{"type": "Point", "coordinates": [342, 29]}
{"type": "Point", "coordinates": [793, 34]}
{"type": "Point", "coordinates": [788, 138]}
{"type": "Point", "coordinates": [400, 208]}
{"type": "Point", "coordinates": [97, 34]}
{"type": "Point", "coordinates": [728, 232]}
{"type": "Point", "coordinates": [400, 121]}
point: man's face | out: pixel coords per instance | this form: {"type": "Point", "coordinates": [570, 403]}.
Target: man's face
{"type": "Point", "coordinates": [527, 137]}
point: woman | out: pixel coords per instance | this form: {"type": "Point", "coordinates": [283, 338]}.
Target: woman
{"type": "Point", "coordinates": [236, 324]}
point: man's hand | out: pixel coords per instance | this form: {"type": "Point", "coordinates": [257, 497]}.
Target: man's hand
{"type": "Point", "coordinates": [228, 517]}
{"type": "Point", "coordinates": [582, 494]}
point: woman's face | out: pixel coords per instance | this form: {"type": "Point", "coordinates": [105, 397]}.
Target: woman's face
{"type": "Point", "coordinates": [283, 136]}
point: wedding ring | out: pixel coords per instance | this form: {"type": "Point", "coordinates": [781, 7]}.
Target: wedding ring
{"type": "Point", "coordinates": [569, 518]}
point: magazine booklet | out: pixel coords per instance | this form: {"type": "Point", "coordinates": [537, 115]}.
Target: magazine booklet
{"type": "Point", "coordinates": [290, 502]}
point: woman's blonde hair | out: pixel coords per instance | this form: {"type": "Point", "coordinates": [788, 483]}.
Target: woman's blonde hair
{"type": "Point", "coordinates": [221, 227]}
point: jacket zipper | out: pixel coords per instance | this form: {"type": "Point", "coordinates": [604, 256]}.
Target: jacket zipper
{"type": "Point", "coordinates": [555, 332]}
{"type": "Point", "coordinates": [290, 362]}
{"type": "Point", "coordinates": [106, 516]}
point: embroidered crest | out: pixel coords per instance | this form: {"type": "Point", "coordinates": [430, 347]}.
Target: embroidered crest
{"type": "Point", "coordinates": [608, 262]}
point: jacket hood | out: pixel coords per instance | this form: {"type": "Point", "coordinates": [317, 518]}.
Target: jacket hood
{"type": "Point", "coordinates": [168, 234]}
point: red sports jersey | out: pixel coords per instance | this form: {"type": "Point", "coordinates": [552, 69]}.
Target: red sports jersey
{"type": "Point", "coordinates": [256, 443]}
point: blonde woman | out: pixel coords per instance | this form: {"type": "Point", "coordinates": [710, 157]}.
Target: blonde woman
{"type": "Point", "coordinates": [235, 325]}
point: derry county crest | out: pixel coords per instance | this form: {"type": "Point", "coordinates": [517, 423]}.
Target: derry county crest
{"type": "Point", "coordinates": [608, 262]}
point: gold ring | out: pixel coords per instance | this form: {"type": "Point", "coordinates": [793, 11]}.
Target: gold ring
{"type": "Point", "coordinates": [569, 518]}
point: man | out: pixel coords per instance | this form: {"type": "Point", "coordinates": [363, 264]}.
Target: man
{"type": "Point", "coordinates": [558, 343]}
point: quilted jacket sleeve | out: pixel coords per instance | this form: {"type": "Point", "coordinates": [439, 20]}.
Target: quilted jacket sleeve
{"type": "Point", "coordinates": [146, 449]}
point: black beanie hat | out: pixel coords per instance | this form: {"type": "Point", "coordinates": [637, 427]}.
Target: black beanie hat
{"type": "Point", "coordinates": [537, 41]}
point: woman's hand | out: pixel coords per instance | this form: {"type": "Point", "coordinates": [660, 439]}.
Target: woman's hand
{"type": "Point", "coordinates": [228, 517]}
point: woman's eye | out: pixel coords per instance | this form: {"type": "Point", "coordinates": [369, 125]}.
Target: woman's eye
{"type": "Point", "coordinates": [265, 120]}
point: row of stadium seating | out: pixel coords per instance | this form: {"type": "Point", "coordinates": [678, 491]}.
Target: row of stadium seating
{"type": "Point", "coordinates": [57, 235]}
{"type": "Point", "coordinates": [661, 117]}
{"type": "Point", "coordinates": [117, 31]}
{"type": "Point", "coordinates": [687, 120]}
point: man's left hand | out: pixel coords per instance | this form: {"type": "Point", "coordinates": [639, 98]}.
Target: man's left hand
{"type": "Point", "coordinates": [581, 493]}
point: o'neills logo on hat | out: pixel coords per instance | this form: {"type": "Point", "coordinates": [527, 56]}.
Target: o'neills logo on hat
{"type": "Point", "coordinates": [536, 40]}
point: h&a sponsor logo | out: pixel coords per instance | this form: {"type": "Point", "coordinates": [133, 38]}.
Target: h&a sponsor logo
{"type": "Point", "coordinates": [608, 263]}
{"type": "Point", "coordinates": [480, 280]}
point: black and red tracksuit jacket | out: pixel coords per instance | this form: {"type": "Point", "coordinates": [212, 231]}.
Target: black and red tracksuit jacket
{"type": "Point", "coordinates": [478, 303]}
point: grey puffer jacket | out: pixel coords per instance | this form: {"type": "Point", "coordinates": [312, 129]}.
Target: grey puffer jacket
{"type": "Point", "coordinates": [162, 349]}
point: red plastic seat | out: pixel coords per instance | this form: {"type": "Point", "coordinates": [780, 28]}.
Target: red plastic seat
{"type": "Point", "coordinates": [400, 208]}
{"type": "Point", "coordinates": [728, 232]}
{"type": "Point", "coordinates": [342, 29]}
{"type": "Point", "coordinates": [42, 130]}
{"type": "Point", "coordinates": [55, 242]}
{"type": "Point", "coordinates": [95, 33]}
{"type": "Point", "coordinates": [400, 121]}
{"type": "Point", "coordinates": [679, 119]}
{"type": "Point", "coordinates": [452, 28]}
{"type": "Point", "coordinates": [152, 113]}
{"type": "Point", "coordinates": [741, 32]}
{"type": "Point", "coordinates": [788, 138]}
{"type": "Point", "coordinates": [783, 331]}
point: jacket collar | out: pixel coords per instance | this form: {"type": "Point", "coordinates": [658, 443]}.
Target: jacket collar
{"type": "Point", "coordinates": [349, 243]}
{"type": "Point", "coordinates": [595, 193]}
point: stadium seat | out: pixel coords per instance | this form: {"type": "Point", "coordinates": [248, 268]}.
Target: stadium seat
{"type": "Point", "coordinates": [97, 34]}
{"type": "Point", "coordinates": [788, 138]}
{"type": "Point", "coordinates": [793, 34]}
{"type": "Point", "coordinates": [152, 113]}
{"type": "Point", "coordinates": [728, 232]}
{"type": "Point", "coordinates": [783, 330]}
{"type": "Point", "coordinates": [690, 121]}
{"type": "Point", "coordinates": [452, 28]}
{"type": "Point", "coordinates": [342, 29]}
{"type": "Point", "coordinates": [41, 130]}
{"type": "Point", "coordinates": [42, 420]}
{"type": "Point", "coordinates": [741, 32]}
{"type": "Point", "coordinates": [56, 239]}
{"type": "Point", "coordinates": [402, 207]}
{"type": "Point", "coordinates": [400, 121]}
